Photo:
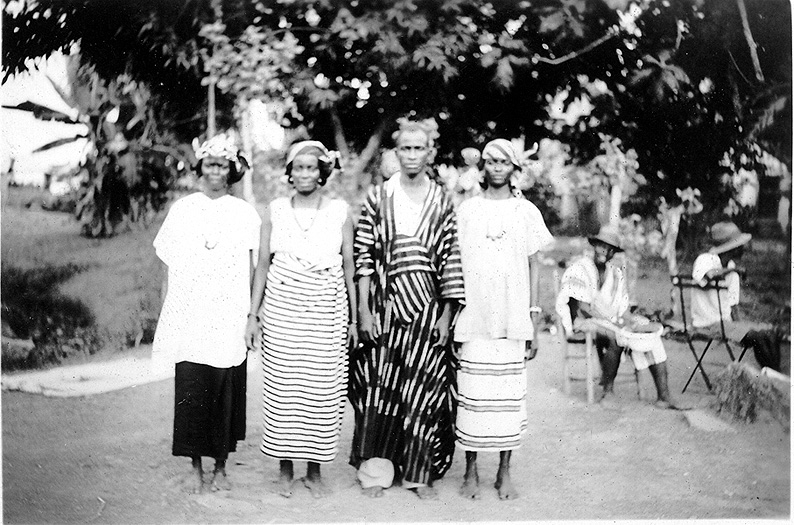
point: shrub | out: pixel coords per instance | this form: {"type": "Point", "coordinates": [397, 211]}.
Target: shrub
{"type": "Point", "coordinates": [33, 309]}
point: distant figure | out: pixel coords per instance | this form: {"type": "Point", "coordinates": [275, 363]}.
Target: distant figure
{"type": "Point", "coordinates": [303, 300]}
{"type": "Point", "coordinates": [720, 263]}
{"type": "Point", "coordinates": [5, 183]}
{"type": "Point", "coordinates": [207, 241]}
{"type": "Point", "coordinates": [470, 178]}
{"type": "Point", "coordinates": [594, 287]}
{"type": "Point", "coordinates": [784, 205]}
{"type": "Point", "coordinates": [500, 237]}
{"type": "Point", "coordinates": [389, 165]}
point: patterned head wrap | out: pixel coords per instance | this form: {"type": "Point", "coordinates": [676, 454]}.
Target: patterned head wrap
{"type": "Point", "coordinates": [501, 149]}
{"type": "Point", "coordinates": [314, 147]}
{"type": "Point", "coordinates": [222, 146]}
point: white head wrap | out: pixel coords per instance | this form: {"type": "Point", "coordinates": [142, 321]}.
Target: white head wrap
{"type": "Point", "coordinates": [222, 146]}
{"type": "Point", "coordinates": [327, 156]}
{"type": "Point", "coordinates": [501, 149]}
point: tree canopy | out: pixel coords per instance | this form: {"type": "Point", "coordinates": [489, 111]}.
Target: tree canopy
{"type": "Point", "coordinates": [695, 87]}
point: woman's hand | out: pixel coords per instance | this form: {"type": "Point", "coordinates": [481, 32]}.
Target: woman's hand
{"type": "Point", "coordinates": [528, 350]}
{"type": "Point", "coordinates": [367, 330]}
{"type": "Point", "coordinates": [251, 332]}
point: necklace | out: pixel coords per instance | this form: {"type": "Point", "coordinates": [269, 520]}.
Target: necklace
{"type": "Point", "coordinates": [495, 227]}
{"type": "Point", "coordinates": [211, 232]}
{"type": "Point", "coordinates": [314, 217]}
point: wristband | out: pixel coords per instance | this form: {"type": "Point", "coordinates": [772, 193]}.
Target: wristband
{"type": "Point", "coordinates": [535, 309]}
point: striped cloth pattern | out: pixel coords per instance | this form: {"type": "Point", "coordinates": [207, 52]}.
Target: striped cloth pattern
{"type": "Point", "coordinates": [492, 389]}
{"type": "Point", "coordinates": [403, 388]}
{"type": "Point", "coordinates": [304, 323]}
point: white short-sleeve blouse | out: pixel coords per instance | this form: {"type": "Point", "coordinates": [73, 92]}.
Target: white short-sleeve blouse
{"type": "Point", "coordinates": [207, 245]}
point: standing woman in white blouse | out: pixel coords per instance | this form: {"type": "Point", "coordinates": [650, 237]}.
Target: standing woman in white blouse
{"type": "Point", "coordinates": [207, 241]}
{"type": "Point", "coordinates": [307, 318]}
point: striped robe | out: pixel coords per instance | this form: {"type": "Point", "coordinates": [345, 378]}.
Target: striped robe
{"type": "Point", "coordinates": [304, 329]}
{"type": "Point", "coordinates": [402, 389]}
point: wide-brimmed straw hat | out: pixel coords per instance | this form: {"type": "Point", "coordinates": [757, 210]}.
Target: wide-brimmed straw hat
{"type": "Point", "coordinates": [726, 236]}
{"type": "Point", "coordinates": [608, 236]}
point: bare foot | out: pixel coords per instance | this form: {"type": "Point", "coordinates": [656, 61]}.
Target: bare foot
{"type": "Point", "coordinates": [284, 486]}
{"type": "Point", "coordinates": [373, 492]}
{"type": "Point", "coordinates": [194, 483]}
{"type": "Point", "coordinates": [470, 488]}
{"type": "Point", "coordinates": [505, 488]}
{"type": "Point", "coordinates": [426, 492]}
{"type": "Point", "coordinates": [220, 481]}
{"type": "Point", "coordinates": [317, 487]}
{"type": "Point", "coordinates": [609, 401]}
{"type": "Point", "coordinates": [670, 405]}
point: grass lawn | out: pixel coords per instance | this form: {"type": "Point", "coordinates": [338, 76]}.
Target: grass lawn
{"type": "Point", "coordinates": [120, 277]}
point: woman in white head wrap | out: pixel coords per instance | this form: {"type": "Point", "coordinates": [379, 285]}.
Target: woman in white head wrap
{"type": "Point", "coordinates": [500, 237]}
{"type": "Point", "coordinates": [303, 302]}
{"type": "Point", "coordinates": [207, 242]}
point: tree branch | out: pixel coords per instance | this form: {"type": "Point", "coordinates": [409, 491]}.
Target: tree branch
{"type": "Point", "coordinates": [573, 54]}
{"type": "Point", "coordinates": [748, 35]}
{"type": "Point", "coordinates": [737, 68]}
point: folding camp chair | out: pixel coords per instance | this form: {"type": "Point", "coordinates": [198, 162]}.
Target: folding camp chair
{"type": "Point", "coordinates": [692, 334]}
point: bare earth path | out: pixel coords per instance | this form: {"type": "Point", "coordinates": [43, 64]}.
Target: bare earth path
{"type": "Point", "coordinates": [106, 459]}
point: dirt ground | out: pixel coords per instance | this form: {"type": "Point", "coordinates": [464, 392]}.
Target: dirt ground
{"type": "Point", "coordinates": [106, 459]}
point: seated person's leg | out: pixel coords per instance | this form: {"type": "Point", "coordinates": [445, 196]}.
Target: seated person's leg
{"type": "Point", "coordinates": [656, 363]}
{"type": "Point", "coordinates": [609, 354]}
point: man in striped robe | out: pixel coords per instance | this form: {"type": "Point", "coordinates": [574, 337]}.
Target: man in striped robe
{"type": "Point", "coordinates": [410, 281]}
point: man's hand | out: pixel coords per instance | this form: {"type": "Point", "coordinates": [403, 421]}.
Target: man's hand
{"type": "Point", "coordinates": [367, 330]}
{"type": "Point", "coordinates": [440, 334]}
{"type": "Point", "coordinates": [352, 336]}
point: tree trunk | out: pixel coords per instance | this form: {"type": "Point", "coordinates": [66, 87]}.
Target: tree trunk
{"type": "Point", "coordinates": [356, 169]}
{"type": "Point", "coordinates": [211, 110]}
{"type": "Point", "coordinates": [339, 134]}
{"type": "Point", "coordinates": [615, 198]}
{"type": "Point", "coordinates": [748, 35]}
{"type": "Point", "coordinates": [248, 149]}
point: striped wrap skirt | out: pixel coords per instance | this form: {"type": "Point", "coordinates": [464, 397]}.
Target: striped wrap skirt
{"type": "Point", "coordinates": [492, 391]}
{"type": "Point", "coordinates": [304, 357]}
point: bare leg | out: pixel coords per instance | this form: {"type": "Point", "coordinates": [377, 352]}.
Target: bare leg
{"type": "Point", "coordinates": [314, 481]}
{"type": "Point", "coordinates": [285, 478]}
{"type": "Point", "coordinates": [471, 480]}
{"type": "Point", "coordinates": [610, 361]}
{"type": "Point", "coordinates": [220, 480]}
{"type": "Point", "coordinates": [504, 485]}
{"type": "Point", "coordinates": [426, 492]}
{"type": "Point", "coordinates": [194, 482]}
{"type": "Point", "coordinates": [659, 374]}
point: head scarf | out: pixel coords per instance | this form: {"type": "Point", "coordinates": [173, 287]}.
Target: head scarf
{"type": "Point", "coordinates": [222, 146]}
{"type": "Point", "coordinates": [306, 146]}
{"type": "Point", "coordinates": [501, 149]}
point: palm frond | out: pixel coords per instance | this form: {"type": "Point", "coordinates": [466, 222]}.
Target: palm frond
{"type": "Point", "coordinates": [59, 142]}
{"type": "Point", "coordinates": [43, 112]}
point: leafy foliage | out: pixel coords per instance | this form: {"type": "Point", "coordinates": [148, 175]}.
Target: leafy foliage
{"type": "Point", "coordinates": [32, 307]}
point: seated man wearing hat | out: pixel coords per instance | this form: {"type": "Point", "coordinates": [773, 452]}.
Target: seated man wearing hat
{"type": "Point", "coordinates": [719, 264]}
{"type": "Point", "coordinates": [594, 287]}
